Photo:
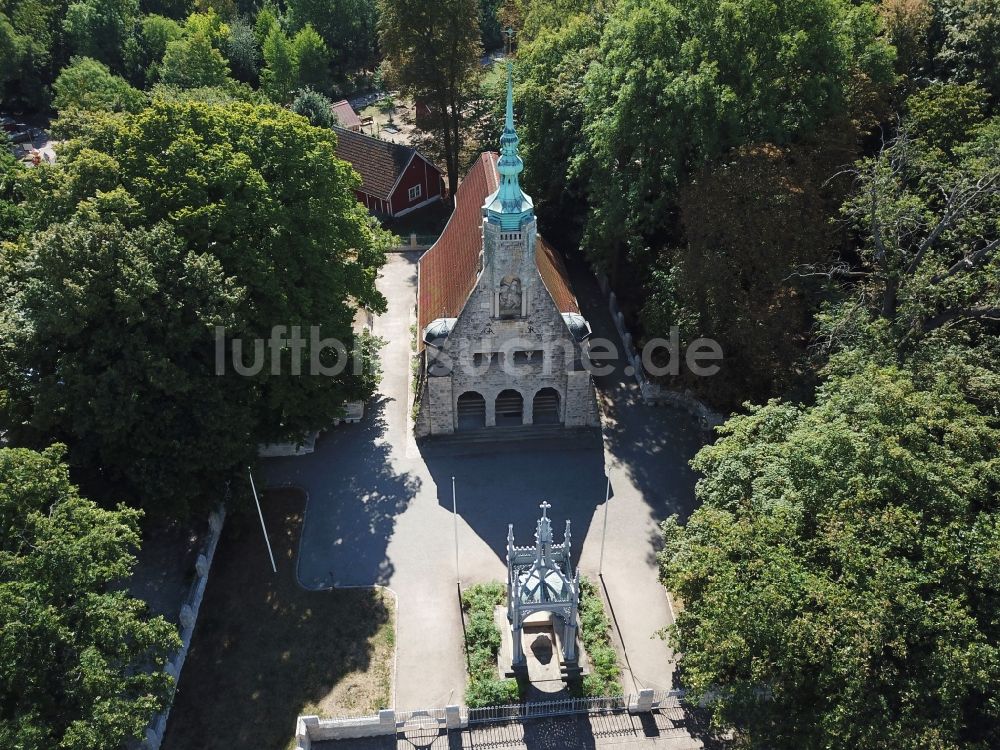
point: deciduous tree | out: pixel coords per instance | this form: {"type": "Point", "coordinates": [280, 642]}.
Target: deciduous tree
{"type": "Point", "coordinates": [312, 58]}
{"type": "Point", "coordinates": [89, 84]}
{"type": "Point", "coordinates": [280, 77]}
{"type": "Point", "coordinates": [434, 52]}
{"type": "Point", "coordinates": [171, 222]}
{"type": "Point", "coordinates": [81, 661]}
{"type": "Point", "coordinates": [838, 580]}
{"type": "Point", "coordinates": [192, 61]}
{"type": "Point", "coordinates": [675, 85]}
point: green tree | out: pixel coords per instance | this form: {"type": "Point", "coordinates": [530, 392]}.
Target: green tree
{"type": "Point", "coordinates": [551, 70]}
{"type": "Point", "coordinates": [490, 33]}
{"type": "Point", "coordinates": [944, 115]}
{"type": "Point", "coordinates": [101, 28]}
{"type": "Point", "coordinates": [347, 26]}
{"type": "Point", "coordinates": [81, 663]}
{"type": "Point", "coordinates": [243, 50]}
{"type": "Point", "coordinates": [929, 236]}
{"type": "Point", "coordinates": [89, 84]}
{"type": "Point", "coordinates": [750, 222]}
{"type": "Point", "coordinates": [676, 85]}
{"type": "Point", "coordinates": [314, 107]}
{"type": "Point", "coordinates": [280, 77]}
{"type": "Point", "coordinates": [838, 579]}
{"type": "Point", "coordinates": [267, 19]}
{"type": "Point", "coordinates": [968, 50]}
{"type": "Point", "coordinates": [192, 61]}
{"type": "Point", "coordinates": [908, 24]}
{"type": "Point", "coordinates": [312, 58]}
{"type": "Point", "coordinates": [11, 214]}
{"type": "Point", "coordinates": [157, 33]}
{"type": "Point", "coordinates": [434, 52]}
{"type": "Point", "coordinates": [171, 222]}
{"type": "Point", "coordinates": [11, 51]}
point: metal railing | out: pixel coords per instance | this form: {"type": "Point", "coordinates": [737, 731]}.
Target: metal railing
{"type": "Point", "coordinates": [543, 709]}
{"type": "Point", "coordinates": [425, 717]}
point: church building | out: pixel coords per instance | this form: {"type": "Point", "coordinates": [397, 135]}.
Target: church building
{"type": "Point", "coordinates": [502, 340]}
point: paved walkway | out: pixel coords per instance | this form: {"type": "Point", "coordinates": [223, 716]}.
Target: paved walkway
{"type": "Point", "coordinates": [379, 508]}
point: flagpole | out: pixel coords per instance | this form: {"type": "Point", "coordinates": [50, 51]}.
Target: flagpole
{"type": "Point", "coordinates": [454, 515]}
{"type": "Point", "coordinates": [604, 534]}
{"type": "Point", "coordinates": [262, 526]}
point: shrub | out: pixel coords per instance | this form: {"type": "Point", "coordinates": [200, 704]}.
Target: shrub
{"type": "Point", "coordinates": [482, 643]}
{"type": "Point", "coordinates": [595, 631]}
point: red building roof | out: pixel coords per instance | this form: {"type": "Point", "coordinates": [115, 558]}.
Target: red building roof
{"type": "Point", "coordinates": [449, 269]}
{"type": "Point", "coordinates": [380, 163]}
{"type": "Point", "coordinates": [345, 115]}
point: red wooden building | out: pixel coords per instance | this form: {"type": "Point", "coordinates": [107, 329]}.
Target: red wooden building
{"type": "Point", "coordinates": [395, 179]}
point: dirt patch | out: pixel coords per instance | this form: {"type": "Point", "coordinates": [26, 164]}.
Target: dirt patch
{"type": "Point", "coordinates": [267, 650]}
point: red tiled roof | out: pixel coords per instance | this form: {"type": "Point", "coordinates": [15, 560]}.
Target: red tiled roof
{"type": "Point", "coordinates": [380, 163]}
{"type": "Point", "coordinates": [555, 276]}
{"type": "Point", "coordinates": [345, 114]}
{"type": "Point", "coordinates": [448, 270]}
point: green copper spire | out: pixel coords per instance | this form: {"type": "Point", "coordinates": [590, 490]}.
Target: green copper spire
{"type": "Point", "coordinates": [509, 206]}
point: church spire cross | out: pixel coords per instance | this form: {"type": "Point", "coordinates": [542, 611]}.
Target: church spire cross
{"type": "Point", "coordinates": [543, 535]}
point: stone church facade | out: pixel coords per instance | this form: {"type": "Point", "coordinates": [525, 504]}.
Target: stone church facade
{"type": "Point", "coordinates": [502, 340]}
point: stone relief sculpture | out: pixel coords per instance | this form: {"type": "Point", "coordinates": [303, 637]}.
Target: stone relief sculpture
{"type": "Point", "coordinates": [510, 297]}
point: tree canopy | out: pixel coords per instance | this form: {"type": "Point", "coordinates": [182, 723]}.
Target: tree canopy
{"type": "Point", "coordinates": [88, 84]}
{"type": "Point", "coordinates": [433, 52]}
{"type": "Point", "coordinates": [838, 580]}
{"type": "Point", "coordinates": [171, 222]}
{"type": "Point", "coordinates": [81, 662]}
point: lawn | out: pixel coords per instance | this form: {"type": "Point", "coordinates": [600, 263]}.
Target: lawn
{"type": "Point", "coordinates": [266, 650]}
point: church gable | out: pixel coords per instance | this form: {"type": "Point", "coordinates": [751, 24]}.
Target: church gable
{"type": "Point", "coordinates": [501, 331]}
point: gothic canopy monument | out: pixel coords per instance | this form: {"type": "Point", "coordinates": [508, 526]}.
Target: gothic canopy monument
{"type": "Point", "coordinates": [502, 340]}
{"type": "Point", "coordinates": [541, 579]}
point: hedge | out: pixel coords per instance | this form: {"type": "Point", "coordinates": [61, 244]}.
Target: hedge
{"type": "Point", "coordinates": [595, 631]}
{"type": "Point", "coordinates": [482, 644]}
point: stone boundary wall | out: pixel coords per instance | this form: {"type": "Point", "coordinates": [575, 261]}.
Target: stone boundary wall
{"type": "Point", "coordinates": [188, 620]}
{"type": "Point", "coordinates": [309, 729]}
{"type": "Point", "coordinates": [654, 393]}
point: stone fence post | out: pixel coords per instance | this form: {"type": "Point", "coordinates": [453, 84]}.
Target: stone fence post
{"type": "Point", "coordinates": [387, 720]}
{"type": "Point", "coordinates": [302, 739]}
{"type": "Point", "coordinates": [453, 717]}
{"type": "Point", "coordinates": [642, 703]}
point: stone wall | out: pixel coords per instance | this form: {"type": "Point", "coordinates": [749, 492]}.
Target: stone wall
{"type": "Point", "coordinates": [188, 620]}
{"type": "Point", "coordinates": [310, 729]}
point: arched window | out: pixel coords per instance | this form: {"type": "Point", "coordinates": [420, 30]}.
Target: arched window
{"type": "Point", "coordinates": [471, 411]}
{"type": "Point", "coordinates": [546, 407]}
{"type": "Point", "coordinates": [509, 408]}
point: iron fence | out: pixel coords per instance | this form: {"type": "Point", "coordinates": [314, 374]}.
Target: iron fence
{"type": "Point", "coordinates": [543, 709]}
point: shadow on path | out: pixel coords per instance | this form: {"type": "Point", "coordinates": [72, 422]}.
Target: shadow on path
{"type": "Point", "coordinates": [652, 444]}
{"type": "Point", "coordinates": [504, 483]}
{"type": "Point", "coordinates": [355, 496]}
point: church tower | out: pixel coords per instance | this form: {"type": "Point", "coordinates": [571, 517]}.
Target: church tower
{"type": "Point", "coordinates": [509, 228]}
{"type": "Point", "coordinates": [503, 339]}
